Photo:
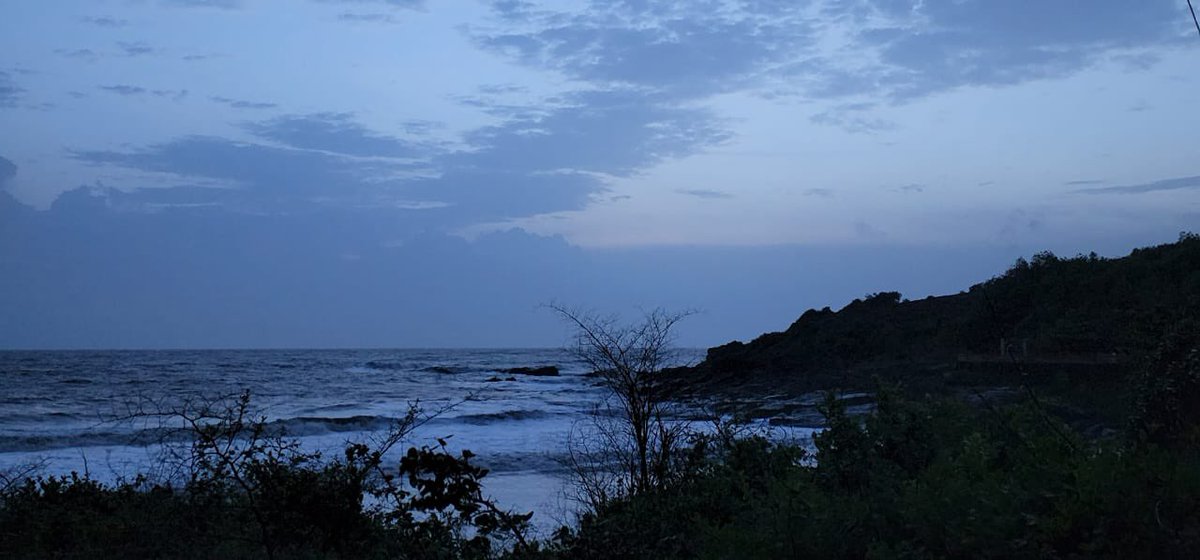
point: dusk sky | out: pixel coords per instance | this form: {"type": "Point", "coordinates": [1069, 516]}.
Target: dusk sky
{"type": "Point", "coordinates": [408, 173]}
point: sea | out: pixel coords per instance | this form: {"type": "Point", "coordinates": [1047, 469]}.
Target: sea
{"type": "Point", "coordinates": [67, 411]}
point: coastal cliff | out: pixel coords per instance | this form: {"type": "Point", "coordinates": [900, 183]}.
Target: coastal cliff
{"type": "Point", "coordinates": [1084, 315]}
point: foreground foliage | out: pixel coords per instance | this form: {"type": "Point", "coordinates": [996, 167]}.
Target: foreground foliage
{"type": "Point", "coordinates": [934, 478]}
{"type": "Point", "coordinates": [239, 490]}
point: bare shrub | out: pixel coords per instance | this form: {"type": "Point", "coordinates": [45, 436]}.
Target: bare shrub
{"type": "Point", "coordinates": [631, 441]}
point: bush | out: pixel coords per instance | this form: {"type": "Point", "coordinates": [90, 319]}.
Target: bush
{"type": "Point", "coordinates": [246, 492]}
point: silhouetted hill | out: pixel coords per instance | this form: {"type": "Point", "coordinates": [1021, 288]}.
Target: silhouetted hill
{"type": "Point", "coordinates": [1084, 312]}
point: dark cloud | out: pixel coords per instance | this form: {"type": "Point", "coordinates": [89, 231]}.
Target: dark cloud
{"type": "Point", "coordinates": [1155, 186]}
{"type": "Point", "coordinates": [854, 118]}
{"type": "Point", "coordinates": [518, 168]}
{"type": "Point", "coordinates": [366, 18]}
{"type": "Point", "coordinates": [912, 188]}
{"type": "Point", "coordinates": [243, 104]}
{"type": "Point", "coordinates": [124, 89]}
{"type": "Point", "coordinates": [105, 21]}
{"type": "Point", "coordinates": [128, 91]}
{"type": "Point", "coordinates": [273, 172]}
{"type": "Point", "coordinates": [609, 132]}
{"type": "Point", "coordinates": [174, 94]}
{"type": "Point", "coordinates": [80, 54]}
{"type": "Point", "coordinates": [136, 48]}
{"type": "Point", "coordinates": [403, 4]}
{"type": "Point", "coordinates": [1081, 182]}
{"type": "Point", "coordinates": [935, 45]}
{"type": "Point", "coordinates": [10, 92]}
{"type": "Point", "coordinates": [221, 4]}
{"type": "Point", "coordinates": [334, 132]}
{"type": "Point", "coordinates": [8, 170]}
{"type": "Point", "coordinates": [898, 49]}
{"type": "Point", "coordinates": [704, 193]}
{"type": "Point", "coordinates": [502, 89]}
{"type": "Point", "coordinates": [686, 49]}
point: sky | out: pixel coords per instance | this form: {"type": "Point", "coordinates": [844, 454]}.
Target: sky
{"type": "Point", "coordinates": [424, 173]}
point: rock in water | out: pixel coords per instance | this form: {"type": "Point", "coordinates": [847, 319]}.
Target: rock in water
{"type": "Point", "coordinates": [543, 371]}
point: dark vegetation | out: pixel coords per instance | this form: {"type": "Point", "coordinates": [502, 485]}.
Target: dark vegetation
{"type": "Point", "coordinates": [924, 474]}
{"type": "Point", "coordinates": [1082, 314]}
{"type": "Point", "coordinates": [1073, 330]}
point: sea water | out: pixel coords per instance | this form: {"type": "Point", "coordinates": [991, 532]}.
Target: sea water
{"type": "Point", "coordinates": [68, 411]}
{"type": "Point", "coordinates": [63, 410]}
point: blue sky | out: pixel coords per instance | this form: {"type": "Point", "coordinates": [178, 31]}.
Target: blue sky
{"type": "Point", "coordinates": [191, 173]}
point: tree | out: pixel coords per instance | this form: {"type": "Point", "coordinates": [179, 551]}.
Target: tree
{"type": "Point", "coordinates": [631, 442]}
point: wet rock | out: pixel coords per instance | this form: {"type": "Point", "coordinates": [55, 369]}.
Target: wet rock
{"type": "Point", "coordinates": [542, 371]}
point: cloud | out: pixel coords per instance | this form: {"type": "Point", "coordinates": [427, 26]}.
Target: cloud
{"type": "Point", "coordinates": [1155, 186]}
{"type": "Point", "coordinates": [542, 164]}
{"type": "Point", "coordinates": [682, 50]}
{"type": "Point", "coordinates": [8, 170]}
{"type": "Point", "coordinates": [105, 21]}
{"type": "Point", "coordinates": [821, 193]}
{"type": "Point", "coordinates": [704, 193]}
{"type": "Point", "coordinates": [242, 104]}
{"type": "Point", "coordinates": [334, 132]}
{"type": "Point", "coordinates": [402, 4]}
{"type": "Point", "coordinates": [927, 46]}
{"type": "Point", "coordinates": [124, 89]}
{"type": "Point", "coordinates": [851, 118]}
{"type": "Point", "coordinates": [893, 50]}
{"type": "Point", "coordinates": [129, 91]}
{"type": "Point", "coordinates": [79, 54]}
{"type": "Point", "coordinates": [366, 18]}
{"type": "Point", "coordinates": [137, 48]}
{"type": "Point", "coordinates": [610, 132]}
{"type": "Point", "coordinates": [262, 169]}
{"type": "Point", "coordinates": [174, 94]}
{"type": "Point", "coordinates": [221, 4]}
{"type": "Point", "coordinates": [1139, 107]}
{"type": "Point", "coordinates": [911, 188]}
{"type": "Point", "coordinates": [10, 92]}
{"type": "Point", "coordinates": [1080, 182]}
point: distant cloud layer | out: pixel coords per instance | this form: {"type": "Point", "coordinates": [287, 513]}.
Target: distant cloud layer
{"type": "Point", "coordinates": [8, 170]}
{"type": "Point", "coordinates": [334, 132]}
{"type": "Point", "coordinates": [9, 91]}
{"type": "Point", "coordinates": [1155, 186]}
{"type": "Point", "coordinates": [704, 193]}
{"type": "Point", "coordinates": [243, 104]}
{"type": "Point", "coordinates": [222, 4]}
{"type": "Point", "coordinates": [105, 21]}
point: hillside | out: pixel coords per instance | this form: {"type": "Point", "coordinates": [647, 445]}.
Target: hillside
{"type": "Point", "coordinates": [1083, 314]}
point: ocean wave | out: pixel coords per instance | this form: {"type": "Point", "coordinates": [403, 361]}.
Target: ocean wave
{"type": "Point", "coordinates": [297, 427]}
{"type": "Point", "coordinates": [76, 381]}
{"type": "Point", "coordinates": [387, 365]}
{"type": "Point", "coordinates": [506, 415]}
{"type": "Point", "coordinates": [91, 438]}
{"type": "Point", "coordinates": [448, 369]}
{"type": "Point", "coordinates": [302, 426]}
